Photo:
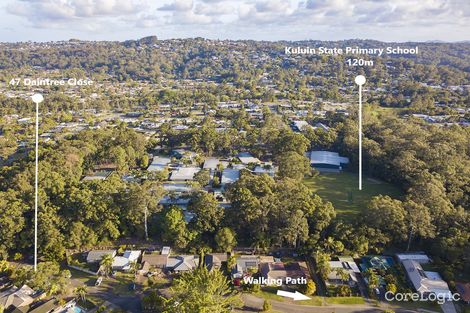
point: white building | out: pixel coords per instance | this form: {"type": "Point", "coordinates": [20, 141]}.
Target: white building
{"type": "Point", "coordinates": [124, 262]}
{"type": "Point", "coordinates": [184, 173]}
{"type": "Point", "coordinates": [247, 158]}
{"type": "Point", "coordinates": [426, 282]}
{"type": "Point", "coordinates": [327, 161]}
{"type": "Point", "coordinates": [159, 163]}
{"type": "Point", "coordinates": [229, 176]}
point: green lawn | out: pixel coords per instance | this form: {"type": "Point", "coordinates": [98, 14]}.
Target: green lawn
{"type": "Point", "coordinates": [345, 300]}
{"type": "Point", "coordinates": [341, 189]}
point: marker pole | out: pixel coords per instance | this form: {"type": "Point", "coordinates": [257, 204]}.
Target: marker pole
{"type": "Point", "coordinates": [360, 137]}
{"type": "Point", "coordinates": [37, 98]}
{"type": "Point", "coordinates": [360, 80]}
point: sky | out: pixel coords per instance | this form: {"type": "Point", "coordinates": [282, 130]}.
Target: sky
{"type": "Point", "coordinates": [394, 20]}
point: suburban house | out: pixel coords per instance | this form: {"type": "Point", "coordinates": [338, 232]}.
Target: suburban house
{"type": "Point", "coordinates": [215, 260]}
{"type": "Point", "coordinates": [95, 256]}
{"type": "Point", "coordinates": [183, 153]}
{"type": "Point", "coordinates": [124, 262]}
{"type": "Point", "coordinates": [229, 176]}
{"type": "Point", "coordinates": [425, 282]}
{"type": "Point", "coordinates": [344, 265]}
{"type": "Point", "coordinates": [16, 297]}
{"type": "Point", "coordinates": [211, 164]}
{"type": "Point", "coordinates": [247, 158]}
{"type": "Point", "coordinates": [279, 271]}
{"type": "Point", "coordinates": [155, 260]}
{"type": "Point", "coordinates": [421, 258]}
{"type": "Point", "coordinates": [46, 307]}
{"type": "Point", "coordinates": [327, 161]}
{"type": "Point", "coordinates": [299, 126]}
{"type": "Point", "coordinates": [184, 173]}
{"type": "Point", "coordinates": [159, 163]}
{"type": "Point", "coordinates": [266, 168]}
{"type": "Point", "coordinates": [101, 175]}
{"type": "Point", "coordinates": [182, 263]}
{"type": "Point", "coordinates": [246, 265]}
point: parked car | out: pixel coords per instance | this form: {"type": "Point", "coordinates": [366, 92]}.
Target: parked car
{"type": "Point", "coordinates": [99, 281]}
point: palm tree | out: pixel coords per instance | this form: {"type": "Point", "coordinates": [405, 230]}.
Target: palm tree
{"type": "Point", "coordinates": [133, 267]}
{"type": "Point", "coordinates": [107, 264]}
{"type": "Point", "coordinates": [343, 274]}
{"type": "Point", "coordinates": [81, 292]}
{"type": "Point", "coordinates": [52, 289]}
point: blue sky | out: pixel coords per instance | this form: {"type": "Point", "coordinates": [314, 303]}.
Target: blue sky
{"type": "Point", "coordinates": [398, 20]}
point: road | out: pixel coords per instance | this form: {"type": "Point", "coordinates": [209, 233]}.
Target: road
{"type": "Point", "coordinates": [255, 304]}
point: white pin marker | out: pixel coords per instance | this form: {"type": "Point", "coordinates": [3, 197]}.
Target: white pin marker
{"type": "Point", "coordinates": [37, 98]}
{"type": "Point", "coordinates": [360, 80]}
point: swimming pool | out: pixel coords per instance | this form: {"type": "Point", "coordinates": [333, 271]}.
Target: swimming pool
{"type": "Point", "coordinates": [77, 309]}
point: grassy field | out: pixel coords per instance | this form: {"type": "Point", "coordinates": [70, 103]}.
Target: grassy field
{"type": "Point", "coordinates": [342, 190]}
{"type": "Point", "coordinates": [269, 293]}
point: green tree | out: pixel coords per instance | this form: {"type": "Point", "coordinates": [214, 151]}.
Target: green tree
{"type": "Point", "coordinates": [202, 177]}
{"type": "Point", "coordinates": [81, 292]}
{"type": "Point", "coordinates": [225, 239]}
{"type": "Point", "coordinates": [391, 288]}
{"type": "Point", "coordinates": [388, 216]}
{"type": "Point", "coordinates": [204, 291]}
{"type": "Point", "coordinates": [310, 287]}
{"type": "Point", "coordinates": [106, 264]}
{"type": "Point", "coordinates": [208, 213]}
{"type": "Point", "coordinates": [323, 264]}
{"type": "Point", "coordinates": [267, 306]}
{"type": "Point", "coordinates": [296, 231]}
{"type": "Point", "coordinates": [293, 165]}
{"type": "Point", "coordinates": [174, 228]}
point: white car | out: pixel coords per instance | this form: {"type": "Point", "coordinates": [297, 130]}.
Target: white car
{"type": "Point", "coordinates": [99, 281]}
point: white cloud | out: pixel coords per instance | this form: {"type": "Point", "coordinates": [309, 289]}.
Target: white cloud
{"type": "Point", "coordinates": [218, 8]}
{"type": "Point", "coordinates": [252, 18]}
{"type": "Point", "coordinates": [177, 5]}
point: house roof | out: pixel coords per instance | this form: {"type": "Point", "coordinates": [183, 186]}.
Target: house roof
{"type": "Point", "coordinates": [184, 173]}
{"type": "Point", "coordinates": [301, 125]}
{"type": "Point", "coordinates": [211, 163]}
{"type": "Point", "coordinates": [281, 270]}
{"type": "Point", "coordinates": [327, 157]}
{"type": "Point", "coordinates": [262, 170]}
{"type": "Point", "coordinates": [102, 175]}
{"type": "Point", "coordinates": [349, 266]}
{"type": "Point", "coordinates": [97, 255]}
{"type": "Point", "coordinates": [155, 259]}
{"type": "Point", "coordinates": [245, 262]}
{"type": "Point", "coordinates": [132, 255]}
{"type": "Point", "coordinates": [229, 176]}
{"type": "Point", "coordinates": [17, 296]}
{"type": "Point", "coordinates": [182, 262]}
{"type": "Point", "coordinates": [248, 160]}
{"type": "Point", "coordinates": [45, 307]}
{"type": "Point", "coordinates": [120, 262]}
{"type": "Point", "coordinates": [214, 260]}
{"type": "Point", "coordinates": [418, 257]}
{"type": "Point", "coordinates": [159, 163]}
{"type": "Point", "coordinates": [425, 282]}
